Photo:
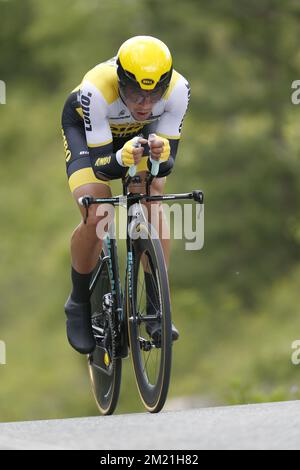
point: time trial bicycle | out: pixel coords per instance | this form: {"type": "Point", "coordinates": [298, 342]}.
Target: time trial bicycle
{"type": "Point", "coordinates": [120, 316]}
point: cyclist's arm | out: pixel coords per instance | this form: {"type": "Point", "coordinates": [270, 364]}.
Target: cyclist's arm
{"type": "Point", "coordinates": [170, 124]}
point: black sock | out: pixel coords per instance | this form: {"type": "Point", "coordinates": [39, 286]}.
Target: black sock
{"type": "Point", "coordinates": [81, 284]}
{"type": "Point", "coordinates": [152, 294]}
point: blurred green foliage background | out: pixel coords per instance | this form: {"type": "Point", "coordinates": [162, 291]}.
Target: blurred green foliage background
{"type": "Point", "coordinates": [236, 301]}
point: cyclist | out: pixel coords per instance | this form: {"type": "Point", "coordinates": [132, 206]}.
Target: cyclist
{"type": "Point", "coordinates": [135, 94]}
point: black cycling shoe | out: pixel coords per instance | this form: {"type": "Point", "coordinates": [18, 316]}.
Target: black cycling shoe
{"type": "Point", "coordinates": [79, 326]}
{"type": "Point", "coordinates": [154, 330]}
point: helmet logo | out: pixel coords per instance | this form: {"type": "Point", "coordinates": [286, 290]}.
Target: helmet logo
{"type": "Point", "coordinates": [147, 81]}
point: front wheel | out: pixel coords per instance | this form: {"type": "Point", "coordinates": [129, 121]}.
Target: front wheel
{"type": "Point", "coordinates": [148, 304]}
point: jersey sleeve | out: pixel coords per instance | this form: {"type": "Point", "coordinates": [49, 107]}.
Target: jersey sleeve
{"type": "Point", "coordinates": [170, 124]}
{"type": "Point", "coordinates": [94, 109]}
{"type": "Point", "coordinates": [97, 129]}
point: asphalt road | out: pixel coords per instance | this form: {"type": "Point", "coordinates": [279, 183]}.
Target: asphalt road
{"type": "Point", "coordinates": [267, 426]}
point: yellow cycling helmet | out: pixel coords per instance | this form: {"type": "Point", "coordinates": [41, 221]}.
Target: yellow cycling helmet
{"type": "Point", "coordinates": [144, 62]}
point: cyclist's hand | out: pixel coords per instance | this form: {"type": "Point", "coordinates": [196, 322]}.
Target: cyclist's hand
{"type": "Point", "coordinates": [132, 155]}
{"type": "Point", "coordinates": [159, 148]}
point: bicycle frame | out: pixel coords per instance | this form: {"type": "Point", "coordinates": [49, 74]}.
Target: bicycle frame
{"type": "Point", "coordinates": [135, 215]}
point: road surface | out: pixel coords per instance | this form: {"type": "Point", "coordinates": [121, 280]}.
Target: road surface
{"type": "Point", "coordinates": [264, 426]}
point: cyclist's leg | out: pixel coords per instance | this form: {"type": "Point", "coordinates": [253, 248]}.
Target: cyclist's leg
{"type": "Point", "coordinates": [85, 251]}
{"type": "Point", "coordinates": [85, 243]}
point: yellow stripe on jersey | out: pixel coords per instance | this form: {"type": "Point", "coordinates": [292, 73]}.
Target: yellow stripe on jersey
{"type": "Point", "coordinates": [84, 176]}
{"type": "Point", "coordinates": [174, 80]}
{"type": "Point", "coordinates": [102, 144]}
{"type": "Point", "coordinates": [104, 77]}
{"type": "Point", "coordinates": [169, 137]}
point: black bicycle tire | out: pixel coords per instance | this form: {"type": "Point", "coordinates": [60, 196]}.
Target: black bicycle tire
{"type": "Point", "coordinates": [153, 398]}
